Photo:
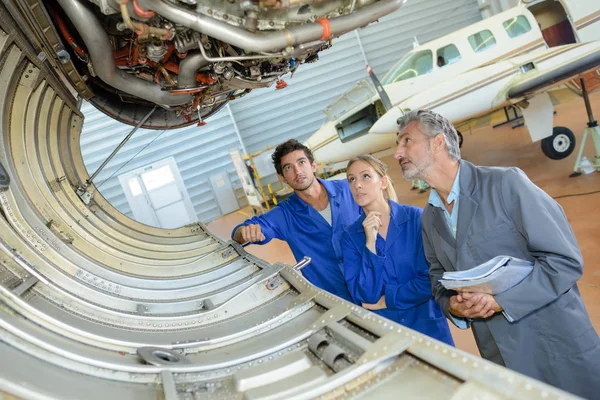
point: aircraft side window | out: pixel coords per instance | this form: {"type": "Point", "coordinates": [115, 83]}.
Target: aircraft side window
{"type": "Point", "coordinates": [482, 40]}
{"type": "Point", "coordinates": [447, 55]}
{"type": "Point", "coordinates": [517, 26]}
{"type": "Point", "coordinates": [410, 66]}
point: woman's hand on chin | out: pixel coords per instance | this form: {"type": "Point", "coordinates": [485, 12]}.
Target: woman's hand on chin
{"type": "Point", "coordinates": [371, 225]}
{"type": "Point", "coordinates": [377, 306]}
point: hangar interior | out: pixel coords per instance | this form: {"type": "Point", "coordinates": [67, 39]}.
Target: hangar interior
{"type": "Point", "coordinates": [96, 305]}
{"type": "Point", "coordinates": [265, 117]}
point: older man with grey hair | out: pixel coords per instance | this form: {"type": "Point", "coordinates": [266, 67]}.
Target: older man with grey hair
{"type": "Point", "coordinates": [539, 327]}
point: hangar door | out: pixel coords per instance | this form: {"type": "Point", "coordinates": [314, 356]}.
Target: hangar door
{"type": "Point", "coordinates": [157, 195]}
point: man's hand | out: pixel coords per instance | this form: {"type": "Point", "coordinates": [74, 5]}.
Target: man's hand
{"type": "Point", "coordinates": [249, 233]}
{"type": "Point", "coordinates": [377, 306]}
{"type": "Point", "coordinates": [457, 306]}
{"type": "Point", "coordinates": [473, 305]}
{"type": "Point", "coordinates": [480, 305]}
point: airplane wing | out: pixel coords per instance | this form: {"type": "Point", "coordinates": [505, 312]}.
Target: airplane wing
{"type": "Point", "coordinates": [554, 76]}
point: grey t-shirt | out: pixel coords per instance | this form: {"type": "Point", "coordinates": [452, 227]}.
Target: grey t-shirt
{"type": "Point", "coordinates": [326, 213]}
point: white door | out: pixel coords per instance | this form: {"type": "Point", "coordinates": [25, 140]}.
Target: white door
{"type": "Point", "coordinates": [224, 194]}
{"type": "Point", "coordinates": [157, 195]}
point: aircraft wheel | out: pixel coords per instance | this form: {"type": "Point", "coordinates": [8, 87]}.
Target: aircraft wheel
{"type": "Point", "coordinates": [460, 139]}
{"type": "Point", "coordinates": [560, 145]}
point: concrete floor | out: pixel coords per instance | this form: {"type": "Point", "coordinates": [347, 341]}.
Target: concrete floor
{"type": "Point", "coordinates": [504, 146]}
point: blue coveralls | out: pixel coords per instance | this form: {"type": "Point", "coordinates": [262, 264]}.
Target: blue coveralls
{"type": "Point", "coordinates": [308, 234]}
{"type": "Point", "coordinates": [398, 270]}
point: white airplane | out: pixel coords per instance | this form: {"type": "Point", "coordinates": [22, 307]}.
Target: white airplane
{"type": "Point", "coordinates": [512, 58]}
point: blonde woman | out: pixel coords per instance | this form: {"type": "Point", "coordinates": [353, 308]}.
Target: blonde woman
{"type": "Point", "coordinates": [384, 263]}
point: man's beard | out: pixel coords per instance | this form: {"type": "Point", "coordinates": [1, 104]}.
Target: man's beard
{"type": "Point", "coordinates": [411, 172]}
{"type": "Point", "coordinates": [303, 186]}
{"type": "Point", "coordinates": [416, 171]}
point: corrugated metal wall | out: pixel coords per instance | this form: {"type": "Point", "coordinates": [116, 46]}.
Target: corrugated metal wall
{"type": "Point", "coordinates": [266, 116]}
{"type": "Point", "coordinates": [198, 152]}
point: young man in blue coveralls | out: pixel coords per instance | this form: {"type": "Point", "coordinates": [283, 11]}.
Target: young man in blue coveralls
{"type": "Point", "coordinates": [311, 221]}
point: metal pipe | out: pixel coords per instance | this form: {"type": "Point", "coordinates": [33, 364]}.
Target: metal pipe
{"type": "Point", "coordinates": [317, 7]}
{"type": "Point", "coordinates": [235, 58]}
{"type": "Point", "coordinates": [141, 29]}
{"type": "Point", "coordinates": [188, 68]}
{"type": "Point", "coordinates": [101, 54]}
{"type": "Point", "coordinates": [276, 40]}
{"type": "Point", "coordinates": [116, 150]}
{"type": "Point", "coordinates": [302, 263]}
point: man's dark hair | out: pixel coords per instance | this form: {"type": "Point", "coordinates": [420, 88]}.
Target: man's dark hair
{"type": "Point", "coordinates": [286, 148]}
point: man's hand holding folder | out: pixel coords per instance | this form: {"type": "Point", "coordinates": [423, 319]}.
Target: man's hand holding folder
{"type": "Point", "coordinates": [477, 286]}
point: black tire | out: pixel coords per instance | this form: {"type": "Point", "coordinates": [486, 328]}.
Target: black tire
{"type": "Point", "coordinates": [460, 138]}
{"type": "Point", "coordinates": [560, 145]}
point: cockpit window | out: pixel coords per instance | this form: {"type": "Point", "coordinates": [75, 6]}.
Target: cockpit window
{"type": "Point", "coordinates": [447, 55]}
{"type": "Point", "coordinates": [517, 26]}
{"type": "Point", "coordinates": [410, 66]}
{"type": "Point", "coordinates": [482, 40]}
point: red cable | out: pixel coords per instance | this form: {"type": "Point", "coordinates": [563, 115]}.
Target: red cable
{"type": "Point", "coordinates": [66, 34]}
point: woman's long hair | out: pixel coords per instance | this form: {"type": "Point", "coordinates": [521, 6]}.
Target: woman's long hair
{"type": "Point", "coordinates": [381, 170]}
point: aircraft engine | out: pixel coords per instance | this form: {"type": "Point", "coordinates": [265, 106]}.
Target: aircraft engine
{"type": "Point", "coordinates": [191, 57]}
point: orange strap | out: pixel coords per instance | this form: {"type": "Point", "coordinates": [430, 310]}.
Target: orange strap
{"type": "Point", "coordinates": [141, 12]}
{"type": "Point", "coordinates": [326, 28]}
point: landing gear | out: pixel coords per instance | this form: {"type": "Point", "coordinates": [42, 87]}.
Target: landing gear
{"type": "Point", "coordinates": [594, 131]}
{"type": "Point", "coordinates": [560, 145]}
